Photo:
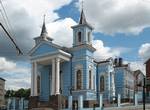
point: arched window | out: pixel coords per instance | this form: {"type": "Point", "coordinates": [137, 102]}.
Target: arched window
{"type": "Point", "coordinates": [90, 79]}
{"type": "Point", "coordinates": [79, 36]}
{"type": "Point", "coordinates": [102, 84]}
{"type": "Point", "coordinates": [79, 80]}
{"type": "Point", "coordinates": [38, 84]}
{"type": "Point", "coordinates": [89, 36]}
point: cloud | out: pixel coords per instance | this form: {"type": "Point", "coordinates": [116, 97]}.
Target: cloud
{"type": "Point", "coordinates": [15, 74]}
{"type": "Point", "coordinates": [117, 16]}
{"type": "Point", "coordinates": [102, 52]}
{"type": "Point", "coordinates": [138, 65]}
{"type": "Point", "coordinates": [26, 17]}
{"type": "Point", "coordinates": [144, 51]}
{"type": "Point", "coordinates": [61, 31]}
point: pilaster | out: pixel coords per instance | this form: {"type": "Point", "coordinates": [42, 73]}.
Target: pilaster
{"type": "Point", "coordinates": [35, 79]}
{"type": "Point", "coordinates": [53, 77]}
{"type": "Point", "coordinates": [57, 76]}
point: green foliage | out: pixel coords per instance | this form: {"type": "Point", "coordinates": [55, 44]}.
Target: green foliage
{"type": "Point", "coordinates": [19, 93]}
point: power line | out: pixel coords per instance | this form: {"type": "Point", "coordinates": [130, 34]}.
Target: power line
{"type": "Point", "coordinates": [9, 27]}
{"type": "Point", "coordinates": [17, 48]}
{"type": "Point", "coordinates": [7, 19]}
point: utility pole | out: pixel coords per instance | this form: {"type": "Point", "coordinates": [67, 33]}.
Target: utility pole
{"type": "Point", "coordinates": [17, 48]}
{"type": "Point", "coordinates": [144, 86]}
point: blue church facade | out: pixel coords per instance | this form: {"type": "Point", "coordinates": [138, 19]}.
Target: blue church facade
{"type": "Point", "coordinates": [60, 72]}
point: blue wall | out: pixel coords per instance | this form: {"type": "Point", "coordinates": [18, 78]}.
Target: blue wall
{"type": "Point", "coordinates": [104, 69]}
{"type": "Point", "coordinates": [43, 49]}
{"type": "Point", "coordinates": [66, 78]}
{"type": "Point", "coordinates": [45, 83]}
{"type": "Point", "coordinates": [84, 57]}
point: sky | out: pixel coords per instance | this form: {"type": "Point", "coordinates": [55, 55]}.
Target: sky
{"type": "Point", "coordinates": [121, 29]}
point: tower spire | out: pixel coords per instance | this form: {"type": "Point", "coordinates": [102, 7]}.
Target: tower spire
{"type": "Point", "coordinates": [44, 31]}
{"type": "Point", "coordinates": [82, 16]}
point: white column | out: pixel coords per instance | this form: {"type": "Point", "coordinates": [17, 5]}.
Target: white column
{"type": "Point", "coordinates": [70, 103]}
{"type": "Point", "coordinates": [53, 77]}
{"type": "Point", "coordinates": [57, 76]}
{"type": "Point", "coordinates": [136, 99]}
{"type": "Point", "coordinates": [101, 100]}
{"type": "Point", "coordinates": [112, 86]}
{"type": "Point", "coordinates": [80, 102]}
{"type": "Point", "coordinates": [119, 100]}
{"type": "Point", "coordinates": [32, 80]}
{"type": "Point", "coordinates": [35, 79]}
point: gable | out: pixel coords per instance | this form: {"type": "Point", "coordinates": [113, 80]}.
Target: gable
{"type": "Point", "coordinates": [43, 49]}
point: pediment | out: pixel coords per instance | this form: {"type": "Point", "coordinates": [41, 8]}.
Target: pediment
{"type": "Point", "coordinates": [43, 48]}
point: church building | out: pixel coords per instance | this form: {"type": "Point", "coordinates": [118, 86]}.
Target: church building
{"type": "Point", "coordinates": [58, 72]}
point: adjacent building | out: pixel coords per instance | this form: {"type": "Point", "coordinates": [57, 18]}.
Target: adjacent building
{"type": "Point", "coordinates": [124, 80]}
{"type": "Point", "coordinates": [139, 76]}
{"type": "Point", "coordinates": [147, 63]}
{"type": "Point", "coordinates": [58, 72]}
{"type": "Point", "coordinates": [2, 92]}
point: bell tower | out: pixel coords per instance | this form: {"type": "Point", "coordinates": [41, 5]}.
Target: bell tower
{"type": "Point", "coordinates": [83, 71]}
{"type": "Point", "coordinates": [82, 33]}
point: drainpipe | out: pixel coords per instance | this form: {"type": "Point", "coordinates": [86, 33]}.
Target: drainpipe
{"type": "Point", "coordinates": [97, 81]}
{"type": "Point", "coordinates": [71, 75]}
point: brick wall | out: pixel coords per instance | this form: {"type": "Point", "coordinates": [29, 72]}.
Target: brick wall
{"type": "Point", "coordinates": [148, 68]}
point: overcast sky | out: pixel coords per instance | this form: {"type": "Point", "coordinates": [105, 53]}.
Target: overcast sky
{"type": "Point", "coordinates": [121, 28]}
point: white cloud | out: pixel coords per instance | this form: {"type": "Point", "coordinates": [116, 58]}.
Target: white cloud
{"type": "Point", "coordinates": [16, 75]}
{"type": "Point", "coordinates": [9, 66]}
{"type": "Point", "coordinates": [138, 65]}
{"type": "Point", "coordinates": [118, 16]}
{"type": "Point", "coordinates": [61, 31]}
{"type": "Point", "coordinates": [144, 51]}
{"type": "Point", "coordinates": [26, 17]}
{"type": "Point", "coordinates": [103, 52]}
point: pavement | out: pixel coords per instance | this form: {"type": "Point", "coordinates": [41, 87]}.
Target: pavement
{"type": "Point", "coordinates": [138, 107]}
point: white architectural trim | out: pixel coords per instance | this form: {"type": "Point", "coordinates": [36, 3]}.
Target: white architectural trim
{"type": "Point", "coordinates": [43, 42]}
{"type": "Point", "coordinates": [32, 80]}
{"type": "Point", "coordinates": [53, 77]}
{"type": "Point", "coordinates": [90, 68]}
{"type": "Point", "coordinates": [57, 77]}
{"type": "Point", "coordinates": [51, 55]}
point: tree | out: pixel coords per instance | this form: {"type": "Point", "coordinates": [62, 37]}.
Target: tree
{"type": "Point", "coordinates": [10, 93]}
{"type": "Point", "coordinates": [19, 93]}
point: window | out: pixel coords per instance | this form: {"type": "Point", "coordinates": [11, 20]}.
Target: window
{"type": "Point", "coordinates": [90, 79]}
{"type": "Point", "coordinates": [79, 80]}
{"type": "Point", "coordinates": [102, 83]}
{"type": "Point", "coordinates": [89, 38]}
{"type": "Point", "coordinates": [38, 84]}
{"type": "Point", "coordinates": [79, 36]}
